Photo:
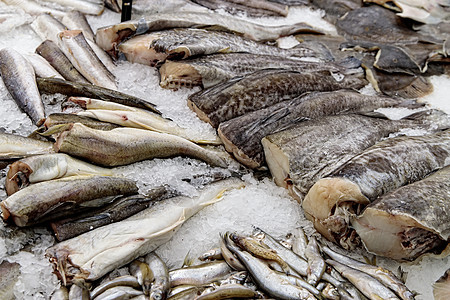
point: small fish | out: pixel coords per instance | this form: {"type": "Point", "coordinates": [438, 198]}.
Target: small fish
{"type": "Point", "coordinates": [300, 241]}
{"type": "Point", "coordinates": [212, 254]}
{"type": "Point", "coordinates": [56, 119]}
{"type": "Point", "coordinates": [200, 274]}
{"type": "Point", "coordinates": [143, 273]}
{"type": "Point", "coordinates": [33, 8]}
{"type": "Point", "coordinates": [316, 264]}
{"type": "Point", "coordinates": [14, 146]}
{"type": "Point", "coordinates": [161, 284]}
{"type": "Point", "coordinates": [19, 78]}
{"type": "Point", "coordinates": [126, 280]}
{"type": "Point", "coordinates": [229, 291]}
{"type": "Point", "coordinates": [229, 257]}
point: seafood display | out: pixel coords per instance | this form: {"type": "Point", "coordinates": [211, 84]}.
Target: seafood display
{"type": "Point", "coordinates": [126, 147]}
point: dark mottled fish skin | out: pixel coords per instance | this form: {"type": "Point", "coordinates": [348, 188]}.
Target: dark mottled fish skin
{"type": "Point", "coordinates": [316, 148]}
{"type": "Point", "coordinates": [121, 208]}
{"type": "Point", "coordinates": [242, 135]}
{"type": "Point", "coordinates": [19, 78]}
{"type": "Point", "coordinates": [110, 36]}
{"type": "Point", "coordinates": [52, 86]}
{"type": "Point", "coordinates": [24, 210]}
{"type": "Point", "coordinates": [261, 89]}
{"type": "Point", "coordinates": [209, 70]}
{"type": "Point", "coordinates": [58, 60]}
{"type": "Point", "coordinates": [9, 275]}
{"type": "Point", "coordinates": [420, 209]}
{"type": "Point", "coordinates": [254, 8]}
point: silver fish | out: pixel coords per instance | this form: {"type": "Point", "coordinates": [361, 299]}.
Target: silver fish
{"type": "Point", "coordinates": [316, 264]}
{"type": "Point", "coordinates": [229, 291]}
{"type": "Point", "coordinates": [34, 8]}
{"type": "Point", "coordinates": [92, 7]}
{"type": "Point", "coordinates": [14, 146]}
{"type": "Point", "coordinates": [161, 284]}
{"type": "Point", "coordinates": [41, 67]}
{"type": "Point", "coordinates": [19, 78]}
{"type": "Point", "coordinates": [143, 273]}
{"type": "Point", "coordinates": [126, 280]}
{"type": "Point", "coordinates": [300, 241]}
{"type": "Point", "coordinates": [200, 274]}
{"type": "Point", "coordinates": [119, 292]}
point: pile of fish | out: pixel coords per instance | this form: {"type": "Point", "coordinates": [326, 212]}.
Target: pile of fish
{"type": "Point", "coordinates": [256, 266]}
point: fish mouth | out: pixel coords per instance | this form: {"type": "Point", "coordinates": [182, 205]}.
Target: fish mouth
{"type": "Point", "coordinates": [17, 177]}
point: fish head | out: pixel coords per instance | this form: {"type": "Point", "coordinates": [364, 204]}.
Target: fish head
{"type": "Point", "coordinates": [175, 75]}
{"type": "Point", "coordinates": [17, 177]}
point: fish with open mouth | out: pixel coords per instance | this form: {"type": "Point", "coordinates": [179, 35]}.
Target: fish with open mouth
{"type": "Point", "coordinates": [409, 221]}
{"type": "Point", "coordinates": [334, 200]}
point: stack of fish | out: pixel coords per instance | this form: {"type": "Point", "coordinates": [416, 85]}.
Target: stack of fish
{"type": "Point", "coordinates": [256, 266]}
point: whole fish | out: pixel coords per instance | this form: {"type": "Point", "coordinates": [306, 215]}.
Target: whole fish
{"type": "Point", "coordinates": [117, 209]}
{"type": "Point", "coordinates": [126, 280]}
{"type": "Point", "coordinates": [261, 89]}
{"type": "Point", "coordinates": [182, 43]}
{"type": "Point", "coordinates": [332, 200]}
{"type": "Point", "coordinates": [369, 286]}
{"type": "Point", "coordinates": [81, 55]}
{"type": "Point", "coordinates": [300, 241]}
{"type": "Point", "coordinates": [51, 52]}
{"type": "Point", "coordinates": [316, 264]}
{"type": "Point", "coordinates": [19, 78]}
{"type": "Point", "coordinates": [229, 257]}
{"type": "Point", "coordinates": [200, 274]}
{"type": "Point", "coordinates": [47, 167]}
{"type": "Point", "coordinates": [209, 70]}
{"type": "Point", "coordinates": [242, 135]}
{"type": "Point", "coordinates": [41, 67]}
{"type": "Point", "coordinates": [29, 206]}
{"type": "Point", "coordinates": [110, 36]}
{"type": "Point", "coordinates": [119, 292]}
{"type": "Point", "coordinates": [299, 156]}
{"type": "Point", "coordinates": [52, 86]}
{"type": "Point", "coordinates": [123, 146]}
{"type": "Point", "coordinates": [130, 238]}
{"type": "Point", "coordinates": [409, 221]}
{"type": "Point", "coordinates": [254, 8]}
{"type": "Point", "coordinates": [383, 275]}
{"type": "Point", "coordinates": [161, 284]}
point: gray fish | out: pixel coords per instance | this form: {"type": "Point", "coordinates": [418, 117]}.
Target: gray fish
{"type": "Point", "coordinates": [110, 36]}
{"type": "Point", "coordinates": [41, 67]}
{"type": "Point", "coordinates": [23, 208]}
{"type": "Point", "coordinates": [117, 209]}
{"type": "Point", "coordinates": [242, 135]}
{"type": "Point", "coordinates": [254, 8]}
{"type": "Point", "coordinates": [119, 292]}
{"type": "Point", "coordinates": [47, 27]}
{"type": "Point", "coordinates": [409, 221]}
{"type": "Point", "coordinates": [123, 146]}
{"type": "Point", "coordinates": [19, 78]}
{"type": "Point", "coordinates": [332, 200]}
{"type": "Point", "coordinates": [213, 69]}
{"type": "Point", "coordinates": [261, 89]}
{"type": "Point", "coordinates": [77, 20]}
{"type": "Point", "coordinates": [335, 9]}
{"type": "Point", "coordinates": [229, 291]}
{"type": "Point", "coordinates": [316, 264]}
{"type": "Point", "coordinates": [126, 280]}
{"type": "Point", "coordinates": [63, 119]}
{"type": "Point", "coordinates": [57, 59]}
{"type": "Point", "coordinates": [200, 274]}
{"type": "Point", "coordinates": [14, 146]}
{"type": "Point", "coordinates": [52, 86]}
{"type": "Point", "coordinates": [161, 284]}
{"type": "Point", "coordinates": [182, 43]}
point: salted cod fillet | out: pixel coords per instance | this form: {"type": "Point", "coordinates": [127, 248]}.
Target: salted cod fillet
{"type": "Point", "coordinates": [409, 221]}
{"type": "Point", "coordinates": [387, 165]}
{"type": "Point", "coordinates": [93, 254]}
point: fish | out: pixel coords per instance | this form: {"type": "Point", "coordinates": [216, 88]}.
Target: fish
{"type": "Point", "coordinates": [333, 200]}
{"type": "Point", "coordinates": [241, 95]}
{"type": "Point", "coordinates": [189, 293]}
{"type": "Point", "coordinates": [115, 210]}
{"type": "Point", "coordinates": [126, 280]}
{"type": "Point", "coordinates": [383, 275]}
{"type": "Point", "coordinates": [128, 239]}
{"type": "Point", "coordinates": [143, 273]}
{"type": "Point", "coordinates": [109, 37]}
{"type": "Point", "coordinates": [212, 254]}
{"type": "Point", "coordinates": [29, 205]}
{"type": "Point", "coordinates": [199, 275]}
{"type": "Point", "coordinates": [81, 55]}
{"type": "Point", "coordinates": [147, 120]}
{"type": "Point", "coordinates": [33, 8]}
{"type": "Point", "coordinates": [209, 70]}
{"type": "Point", "coordinates": [301, 155]}
{"type": "Point", "coordinates": [13, 147]}
{"type": "Point", "coordinates": [19, 78]}
{"type": "Point", "coordinates": [229, 257]}
{"type": "Point", "coordinates": [161, 284]}
{"type": "Point", "coordinates": [369, 286]}
{"type": "Point", "coordinates": [121, 146]}
{"type": "Point", "coordinates": [242, 135]}
{"type": "Point", "coordinates": [10, 273]}
{"type": "Point", "coordinates": [267, 279]}
{"type": "Point", "coordinates": [56, 119]}
{"type": "Point", "coordinates": [297, 280]}
{"type": "Point", "coordinates": [411, 220]}
{"type": "Point", "coordinates": [41, 67]}
{"type": "Point", "coordinates": [52, 86]}
{"type": "Point", "coordinates": [113, 5]}
{"type": "Point", "coordinates": [57, 59]}
{"type": "Point", "coordinates": [300, 241]}
{"type": "Point", "coordinates": [119, 292]}
{"type": "Point", "coordinates": [60, 294]}
{"type": "Point", "coordinates": [230, 291]}
{"type": "Point", "coordinates": [77, 20]}
{"type": "Point", "coordinates": [316, 264]}
{"type": "Point", "coordinates": [45, 167]}
{"type": "Point", "coordinates": [254, 8]}
{"type": "Point", "coordinates": [441, 289]}
{"type": "Point", "coordinates": [78, 292]}
{"type": "Point", "coordinates": [91, 7]}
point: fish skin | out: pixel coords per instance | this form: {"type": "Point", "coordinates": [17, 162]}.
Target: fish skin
{"type": "Point", "coordinates": [199, 275]}
{"type": "Point", "coordinates": [91, 7]}
{"type": "Point", "coordinates": [370, 174]}
{"type": "Point", "coordinates": [109, 37]}
{"type": "Point", "coordinates": [140, 234]}
{"type": "Point", "coordinates": [23, 209]}
{"type": "Point", "coordinates": [316, 264]}
{"type": "Point", "coordinates": [63, 118]}
{"type": "Point", "coordinates": [123, 146]}
{"type": "Point", "coordinates": [81, 55]}
{"type": "Point", "coordinates": [14, 146]}
{"type": "Point", "coordinates": [52, 86]}
{"type": "Point", "coordinates": [242, 135]}
{"type": "Point", "coordinates": [77, 20]}
{"type": "Point", "coordinates": [119, 209]}
{"type": "Point", "coordinates": [126, 280]}
{"type": "Point", "coordinates": [56, 58]}
{"type": "Point", "coordinates": [212, 69]}
{"type": "Point", "coordinates": [161, 284]}
{"type": "Point", "coordinates": [230, 291]}
{"type": "Point", "coordinates": [254, 8]}
{"type": "Point", "coordinates": [261, 89]}
{"type": "Point", "coordinates": [143, 273]}
{"type": "Point", "coordinates": [415, 216]}
{"type": "Point", "coordinates": [41, 67]}
{"type": "Point", "coordinates": [19, 78]}
{"type": "Point", "coordinates": [47, 27]}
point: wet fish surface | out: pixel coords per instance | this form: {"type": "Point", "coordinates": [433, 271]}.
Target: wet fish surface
{"type": "Point", "coordinates": [261, 89]}
{"type": "Point", "coordinates": [19, 78]}
{"type": "Point", "coordinates": [14, 146]}
{"type": "Point", "coordinates": [63, 119]}
{"type": "Point", "coordinates": [409, 221]}
{"type": "Point", "coordinates": [254, 8]}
